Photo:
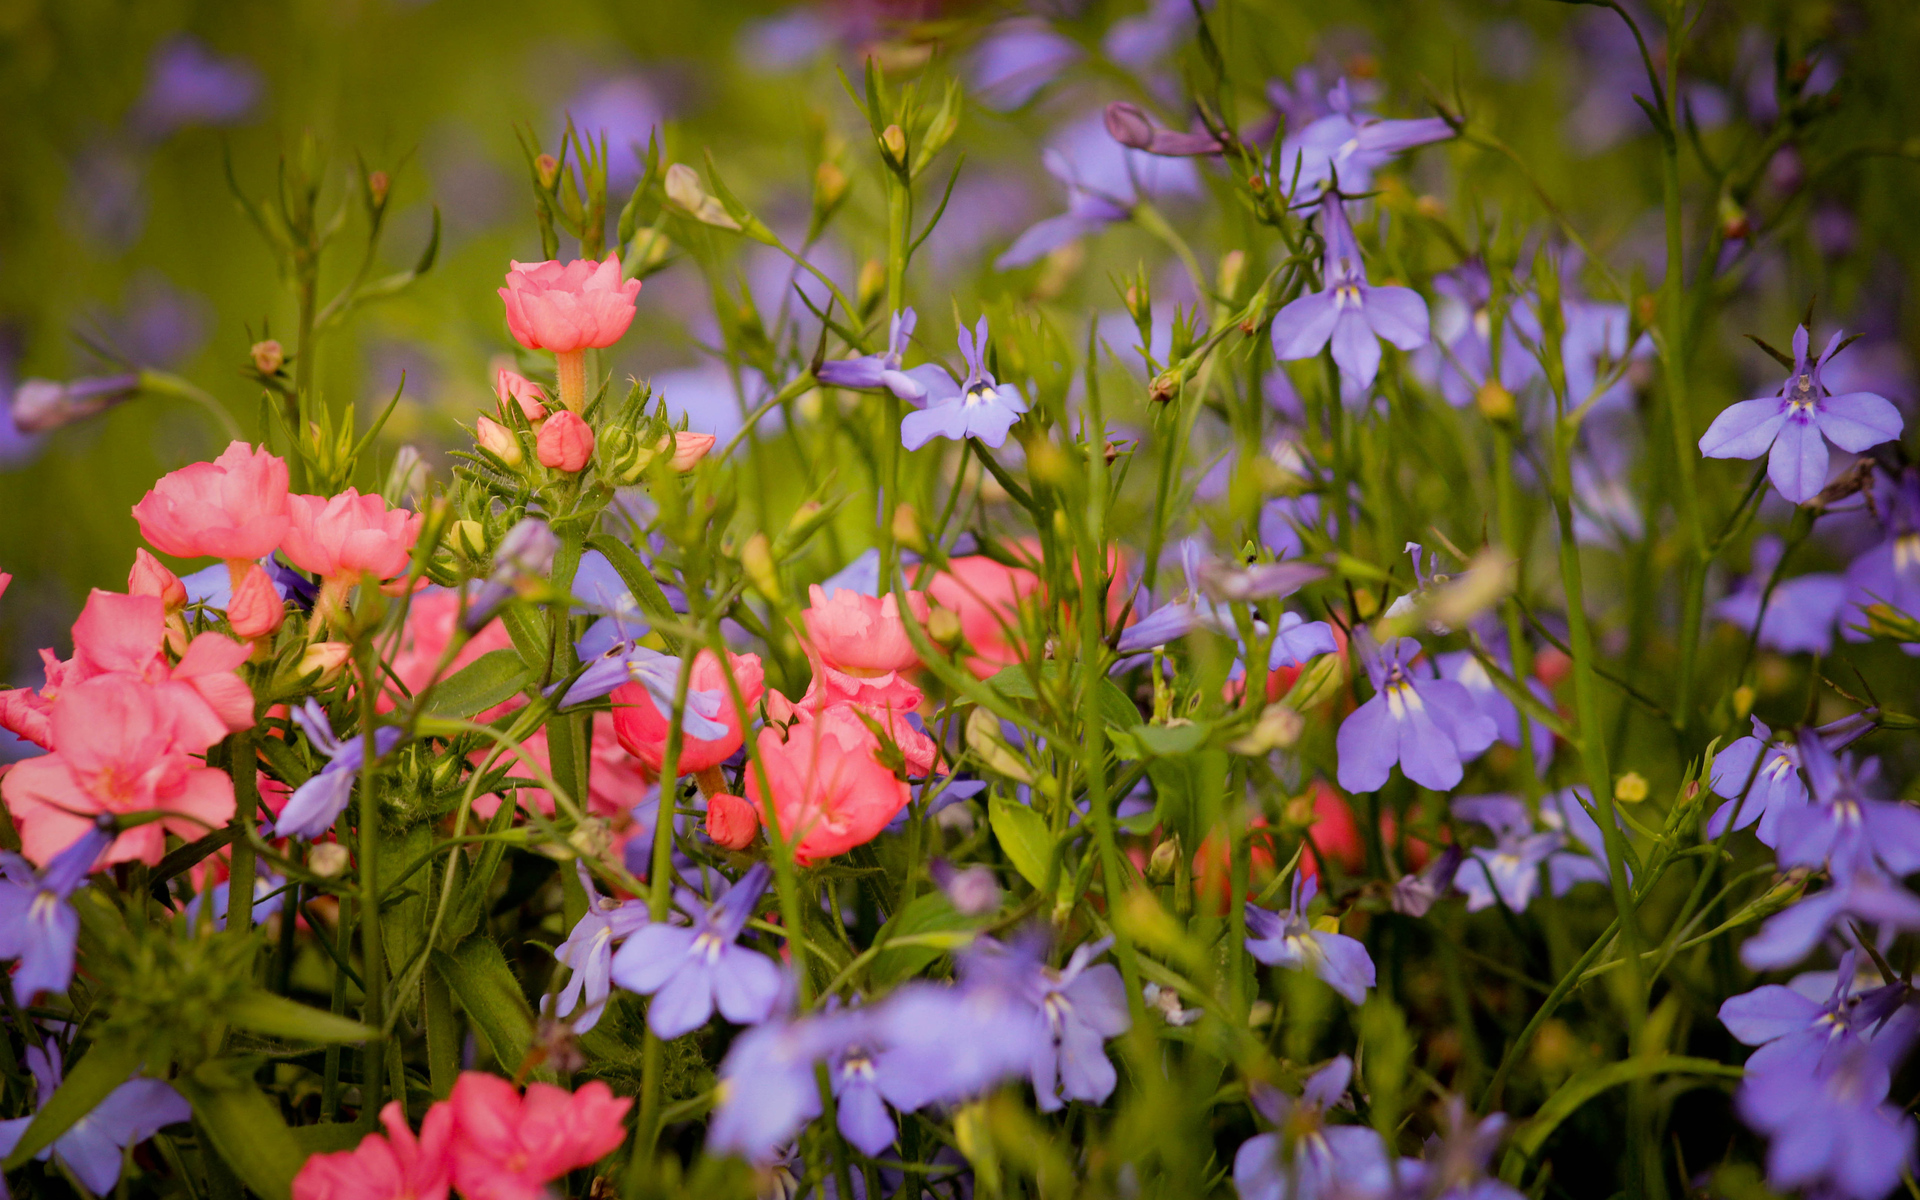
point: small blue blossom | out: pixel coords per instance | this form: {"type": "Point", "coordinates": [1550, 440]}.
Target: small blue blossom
{"type": "Point", "coordinates": [94, 1147]}
{"type": "Point", "coordinates": [1832, 1131]}
{"type": "Point", "coordinates": [1305, 1158]}
{"type": "Point", "coordinates": [628, 662]}
{"type": "Point", "coordinates": [1288, 939]}
{"type": "Point", "coordinates": [691, 969]}
{"type": "Point", "coordinates": [1800, 614]}
{"type": "Point", "coordinates": [269, 894]}
{"type": "Point", "coordinates": [1777, 788]}
{"type": "Point", "coordinates": [1073, 1010]}
{"type": "Point", "coordinates": [1789, 936]}
{"type": "Point", "coordinates": [588, 950]}
{"type": "Point", "coordinates": [980, 407]}
{"type": "Point", "coordinates": [1351, 313]}
{"type": "Point", "coordinates": [37, 923]}
{"type": "Point", "coordinates": [1510, 869]}
{"type": "Point", "coordinates": [884, 370]}
{"type": "Point", "coordinates": [1466, 669]}
{"type": "Point", "coordinates": [318, 802]}
{"type": "Point", "coordinates": [1349, 145]}
{"type": "Point", "coordinates": [1844, 828]}
{"type": "Point", "coordinates": [1428, 726]}
{"type": "Point", "coordinates": [1794, 427]}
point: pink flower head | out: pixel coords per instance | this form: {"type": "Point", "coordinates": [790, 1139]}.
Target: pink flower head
{"type": "Point", "coordinates": [862, 635]}
{"type": "Point", "coordinates": [530, 396]}
{"type": "Point", "coordinates": [689, 448]}
{"type": "Point", "coordinates": [234, 507]}
{"type": "Point", "coordinates": [829, 790]}
{"type": "Point", "coordinates": [987, 596]}
{"type": "Point", "coordinates": [509, 1147]}
{"type": "Point", "coordinates": [579, 305]}
{"type": "Point", "coordinates": [256, 609]}
{"type": "Point", "coordinates": [117, 750]}
{"type": "Point", "coordinates": [642, 727]}
{"type": "Point", "coordinates": [150, 578]}
{"type": "Point", "coordinates": [395, 1167]}
{"type": "Point", "coordinates": [349, 535]}
{"type": "Point", "coordinates": [564, 443]}
{"type": "Point", "coordinates": [731, 821]}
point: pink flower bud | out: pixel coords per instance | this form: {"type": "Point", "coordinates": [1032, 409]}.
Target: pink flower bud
{"type": "Point", "coordinates": [256, 610]}
{"type": "Point", "coordinates": [150, 578]}
{"type": "Point", "coordinates": [530, 396]}
{"type": "Point", "coordinates": [498, 440]}
{"type": "Point", "coordinates": [577, 305]}
{"type": "Point", "coordinates": [349, 535]}
{"type": "Point", "coordinates": [234, 507]}
{"type": "Point", "coordinates": [325, 657]}
{"type": "Point", "coordinates": [731, 821]}
{"type": "Point", "coordinates": [565, 442]}
{"type": "Point", "coordinates": [689, 448]}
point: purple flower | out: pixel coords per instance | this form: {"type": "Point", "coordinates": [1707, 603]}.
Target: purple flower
{"type": "Point", "coordinates": [1511, 868]}
{"type": "Point", "coordinates": [1793, 428]}
{"type": "Point", "coordinates": [589, 951]}
{"type": "Point", "coordinates": [1415, 895]}
{"type": "Point", "coordinates": [1305, 1158]}
{"type": "Point", "coordinates": [1844, 828]}
{"type": "Point", "coordinates": [626, 662]}
{"type": "Point", "coordinates": [318, 802]}
{"type": "Point", "coordinates": [981, 407]}
{"type": "Point", "coordinates": [1800, 615]}
{"type": "Point", "coordinates": [1790, 936]}
{"type": "Point", "coordinates": [1017, 59]}
{"type": "Point", "coordinates": [94, 1147]}
{"type": "Point", "coordinates": [1460, 357]}
{"type": "Point", "coordinates": [767, 1089]}
{"type": "Point", "coordinates": [40, 405]}
{"type": "Point", "coordinates": [1073, 1009]}
{"type": "Point", "coordinates": [1288, 939]}
{"type": "Point", "coordinates": [189, 85]}
{"type": "Point", "coordinates": [1426, 725]}
{"type": "Point", "coordinates": [1890, 572]}
{"type": "Point", "coordinates": [1776, 791]}
{"type": "Point", "coordinates": [689, 969]}
{"type": "Point", "coordinates": [883, 370]}
{"type": "Point", "coordinates": [1104, 181]}
{"type": "Point", "coordinates": [1795, 1031]}
{"type": "Point", "coordinates": [1465, 669]}
{"type": "Point", "coordinates": [1131, 127]}
{"type": "Point", "coordinates": [1832, 1131]}
{"type": "Point", "coordinates": [1350, 312]}
{"type": "Point", "coordinates": [1456, 1161]}
{"type": "Point", "coordinates": [1350, 146]}
{"type": "Point", "coordinates": [37, 924]}
{"type": "Point", "coordinates": [941, 1044]}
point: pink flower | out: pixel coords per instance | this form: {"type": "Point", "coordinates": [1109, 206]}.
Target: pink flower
{"type": "Point", "coordinates": [829, 791]}
{"type": "Point", "coordinates": [862, 635]}
{"type": "Point", "coordinates": [564, 443]}
{"type": "Point", "coordinates": [234, 507]}
{"type": "Point", "coordinates": [642, 727]}
{"type": "Point", "coordinates": [530, 396]}
{"type": "Point", "coordinates": [731, 821]}
{"type": "Point", "coordinates": [118, 748]}
{"type": "Point", "coordinates": [395, 1167]}
{"type": "Point", "coordinates": [349, 535]}
{"type": "Point", "coordinates": [150, 578]}
{"type": "Point", "coordinates": [987, 597]}
{"type": "Point", "coordinates": [689, 448]}
{"type": "Point", "coordinates": [509, 1147]}
{"type": "Point", "coordinates": [497, 440]}
{"type": "Point", "coordinates": [579, 305]}
{"type": "Point", "coordinates": [256, 609]}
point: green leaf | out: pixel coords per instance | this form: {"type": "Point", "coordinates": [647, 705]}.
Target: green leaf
{"type": "Point", "coordinates": [245, 1127]}
{"type": "Point", "coordinates": [494, 677]}
{"type": "Point", "coordinates": [1531, 1136]}
{"type": "Point", "coordinates": [1023, 835]}
{"type": "Point", "coordinates": [640, 581]}
{"type": "Point", "coordinates": [1012, 682]}
{"type": "Point", "coordinates": [277, 1016]}
{"type": "Point", "coordinates": [109, 1063]}
{"type": "Point", "coordinates": [929, 913]}
{"type": "Point", "coordinates": [1171, 741]}
{"type": "Point", "coordinates": [486, 988]}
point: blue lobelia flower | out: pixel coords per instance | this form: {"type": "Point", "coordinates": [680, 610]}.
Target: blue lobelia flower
{"type": "Point", "coordinates": [1777, 788]}
{"type": "Point", "coordinates": [1844, 828]}
{"type": "Point", "coordinates": [1414, 895]}
{"type": "Point", "coordinates": [980, 407]}
{"type": "Point", "coordinates": [1350, 312]}
{"type": "Point", "coordinates": [767, 1090]}
{"type": "Point", "coordinates": [628, 662]}
{"type": "Point", "coordinates": [939, 1044]}
{"type": "Point", "coordinates": [1466, 669]}
{"type": "Point", "coordinates": [1794, 427]}
{"type": "Point", "coordinates": [1794, 1031]}
{"type": "Point", "coordinates": [1455, 1167]}
{"type": "Point", "coordinates": [1073, 1010]}
{"type": "Point", "coordinates": [94, 1147]}
{"type": "Point", "coordinates": [1868, 896]}
{"type": "Point", "coordinates": [1350, 145]}
{"type": "Point", "coordinates": [1428, 726]}
{"type": "Point", "coordinates": [884, 370]}
{"type": "Point", "coordinates": [589, 951]}
{"type": "Point", "coordinates": [1832, 1131]}
{"type": "Point", "coordinates": [689, 969]}
{"type": "Point", "coordinates": [37, 924]}
{"type": "Point", "coordinates": [1889, 573]}
{"type": "Point", "coordinates": [1288, 939]}
{"type": "Point", "coordinates": [1306, 1158]}
{"type": "Point", "coordinates": [1800, 614]}
{"type": "Point", "coordinates": [269, 893]}
{"type": "Point", "coordinates": [318, 802]}
{"type": "Point", "coordinates": [1511, 868]}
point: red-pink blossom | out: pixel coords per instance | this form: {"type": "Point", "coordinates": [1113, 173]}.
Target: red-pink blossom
{"type": "Point", "coordinates": [987, 596]}
{"type": "Point", "coordinates": [509, 1147]}
{"type": "Point", "coordinates": [642, 727]}
{"type": "Point", "coordinates": [255, 609]}
{"type": "Point", "coordinates": [349, 535]}
{"type": "Point", "coordinates": [564, 443]}
{"type": "Point", "coordinates": [118, 748]}
{"type": "Point", "coordinates": [731, 821]}
{"type": "Point", "coordinates": [530, 396]}
{"type": "Point", "coordinates": [234, 507]}
{"type": "Point", "coordinates": [862, 635]}
{"type": "Point", "coordinates": [149, 577]}
{"type": "Point", "coordinates": [395, 1167]}
{"type": "Point", "coordinates": [578, 305]}
{"type": "Point", "coordinates": [829, 790]}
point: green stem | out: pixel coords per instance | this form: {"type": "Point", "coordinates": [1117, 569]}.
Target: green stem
{"type": "Point", "coordinates": [246, 797]}
{"type": "Point", "coordinates": [373, 955]}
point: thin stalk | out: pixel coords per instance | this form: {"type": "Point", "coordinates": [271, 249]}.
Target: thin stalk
{"type": "Point", "coordinates": [373, 955]}
{"type": "Point", "coordinates": [246, 797]}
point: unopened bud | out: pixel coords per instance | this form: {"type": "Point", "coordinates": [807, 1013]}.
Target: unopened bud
{"type": "Point", "coordinates": [1257, 184]}
{"type": "Point", "coordinates": [623, 458]}
{"type": "Point", "coordinates": [943, 626]}
{"type": "Point", "coordinates": [804, 517]}
{"type": "Point", "coordinates": [1734, 224]}
{"type": "Point", "coordinates": [496, 439]}
{"type": "Point", "coordinates": [685, 193]}
{"type": "Point", "coordinates": [1322, 680]}
{"type": "Point", "coordinates": [255, 610]}
{"type": "Point", "coordinates": [564, 443]}
{"type": "Point", "coordinates": [1494, 401]}
{"type": "Point", "coordinates": [1233, 268]}
{"type": "Point", "coordinates": [829, 185]}
{"type": "Point", "coordinates": [469, 538]}
{"type": "Point", "coordinates": [689, 448]}
{"type": "Point", "coordinates": [1278, 728]}
{"type": "Point", "coordinates": [327, 859]}
{"type": "Point", "coordinates": [756, 559]}
{"type": "Point", "coordinates": [731, 821]}
{"type": "Point", "coordinates": [1128, 125]}
{"type": "Point", "coordinates": [1630, 788]}
{"type": "Point", "coordinates": [893, 141]}
{"type": "Point", "coordinates": [873, 280]}
{"type": "Point", "coordinates": [267, 356]}
{"type": "Point", "coordinates": [1164, 860]}
{"type": "Point", "coordinates": [326, 658]}
{"type": "Point", "coordinates": [1645, 309]}
{"type": "Point", "coordinates": [548, 168]}
{"type": "Point", "coordinates": [510, 385]}
{"type": "Point", "coordinates": [150, 577]}
{"type": "Point", "coordinates": [377, 185]}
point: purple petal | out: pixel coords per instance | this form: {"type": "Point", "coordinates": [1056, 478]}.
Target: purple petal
{"type": "Point", "coordinates": [1744, 430]}
{"type": "Point", "coordinates": [1798, 464]}
{"type": "Point", "coordinates": [745, 985]}
{"type": "Point", "coordinates": [1397, 314]}
{"type": "Point", "coordinates": [1355, 347]}
{"type": "Point", "coordinates": [650, 957]}
{"type": "Point", "coordinates": [1366, 746]}
{"type": "Point", "coordinates": [1302, 328]}
{"type": "Point", "coordinates": [1859, 421]}
{"type": "Point", "coordinates": [684, 1003]}
{"type": "Point", "coordinates": [1766, 1013]}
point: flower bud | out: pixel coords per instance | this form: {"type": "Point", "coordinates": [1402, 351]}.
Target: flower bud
{"type": "Point", "coordinates": [150, 577]}
{"type": "Point", "coordinates": [1494, 401]}
{"type": "Point", "coordinates": [41, 404]}
{"type": "Point", "coordinates": [548, 168]}
{"type": "Point", "coordinates": [327, 859]}
{"type": "Point", "coordinates": [943, 626]}
{"type": "Point", "coordinates": [685, 193]}
{"type": "Point", "coordinates": [565, 442]}
{"type": "Point", "coordinates": [1165, 857]}
{"type": "Point", "coordinates": [327, 658]}
{"type": "Point", "coordinates": [377, 185]}
{"type": "Point", "coordinates": [829, 185]}
{"type": "Point", "coordinates": [731, 821]}
{"type": "Point", "coordinates": [268, 357]}
{"type": "Point", "coordinates": [469, 538]}
{"type": "Point", "coordinates": [893, 143]}
{"type": "Point", "coordinates": [528, 548]}
{"type": "Point", "coordinates": [1233, 269]}
{"type": "Point", "coordinates": [530, 396]}
{"type": "Point", "coordinates": [756, 559]}
{"type": "Point", "coordinates": [1128, 125]}
{"type": "Point", "coordinates": [906, 528]}
{"type": "Point", "coordinates": [1742, 702]}
{"type": "Point", "coordinates": [496, 439]}
{"type": "Point", "coordinates": [622, 456]}
{"type": "Point", "coordinates": [1278, 728]}
{"type": "Point", "coordinates": [689, 448]}
{"type": "Point", "coordinates": [256, 609]}
{"type": "Point", "coordinates": [973, 892]}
